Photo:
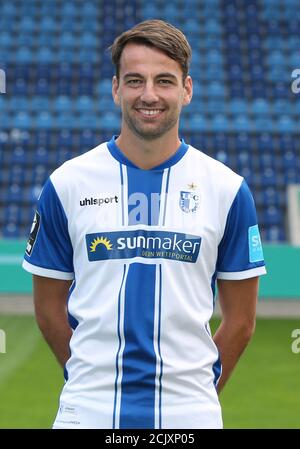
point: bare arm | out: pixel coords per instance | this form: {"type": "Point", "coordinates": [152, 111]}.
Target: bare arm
{"type": "Point", "coordinates": [50, 301]}
{"type": "Point", "coordinates": [238, 304]}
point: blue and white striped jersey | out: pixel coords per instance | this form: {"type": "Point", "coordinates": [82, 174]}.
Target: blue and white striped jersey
{"type": "Point", "coordinates": [144, 249]}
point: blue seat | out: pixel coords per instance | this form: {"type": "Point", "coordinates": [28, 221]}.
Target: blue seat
{"type": "Point", "coordinates": [213, 106]}
{"type": "Point", "coordinates": [63, 88]}
{"type": "Point", "coordinates": [237, 89]}
{"type": "Point", "coordinates": [260, 107]}
{"type": "Point", "coordinates": [23, 55]}
{"type": "Point", "coordinates": [18, 103]}
{"type": "Point", "coordinates": [13, 193]}
{"type": "Point", "coordinates": [44, 55]}
{"type": "Point", "coordinates": [84, 104]}
{"type": "Point", "coordinates": [238, 106]}
{"type": "Point", "coordinates": [38, 104]}
{"type": "Point", "coordinates": [27, 23]}
{"type": "Point", "coordinates": [264, 123]}
{"type": "Point", "coordinates": [66, 120]}
{"type": "Point", "coordinates": [286, 124]}
{"type": "Point", "coordinates": [290, 159]}
{"type": "Point", "coordinates": [220, 123]}
{"type": "Point", "coordinates": [109, 121]}
{"type": "Point", "coordinates": [280, 90]}
{"type": "Point", "coordinates": [22, 120]}
{"type": "Point", "coordinates": [269, 177]}
{"type": "Point", "coordinates": [104, 87]}
{"type": "Point", "coordinates": [292, 175]}
{"type": "Point", "coordinates": [88, 40]}
{"type": "Point", "coordinates": [214, 57]}
{"type": "Point", "coordinates": [275, 234]}
{"type": "Point", "coordinates": [42, 87]}
{"type": "Point", "coordinates": [67, 40]}
{"type": "Point", "coordinates": [87, 139]}
{"type": "Point", "coordinates": [87, 120]}
{"type": "Point", "coordinates": [215, 89]}
{"type": "Point", "coordinates": [41, 156]}
{"type": "Point", "coordinates": [44, 120]}
{"type": "Point", "coordinates": [47, 22]}
{"type": "Point", "coordinates": [105, 103]}
{"type": "Point", "coordinates": [281, 106]}
{"type": "Point", "coordinates": [197, 123]}
{"type": "Point", "coordinates": [242, 123]}
{"type": "Point", "coordinates": [11, 230]}
{"type": "Point", "coordinates": [62, 103]}
{"type": "Point", "coordinates": [272, 216]}
{"type": "Point", "coordinates": [265, 141]}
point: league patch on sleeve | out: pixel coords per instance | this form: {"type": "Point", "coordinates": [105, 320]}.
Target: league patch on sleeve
{"type": "Point", "coordinates": [255, 247]}
{"type": "Point", "coordinates": [33, 233]}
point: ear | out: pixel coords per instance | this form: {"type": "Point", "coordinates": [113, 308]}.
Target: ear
{"type": "Point", "coordinates": [115, 88]}
{"type": "Point", "coordinates": [188, 90]}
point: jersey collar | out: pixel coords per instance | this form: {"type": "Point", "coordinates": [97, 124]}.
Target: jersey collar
{"type": "Point", "coordinates": [117, 154]}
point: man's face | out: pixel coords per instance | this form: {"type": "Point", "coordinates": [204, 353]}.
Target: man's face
{"type": "Point", "coordinates": [150, 91]}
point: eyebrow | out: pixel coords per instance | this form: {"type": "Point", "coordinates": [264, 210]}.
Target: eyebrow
{"type": "Point", "coordinates": [160, 75]}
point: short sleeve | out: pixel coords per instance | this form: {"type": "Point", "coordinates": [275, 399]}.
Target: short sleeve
{"type": "Point", "coordinates": [49, 250]}
{"type": "Point", "coordinates": [240, 254]}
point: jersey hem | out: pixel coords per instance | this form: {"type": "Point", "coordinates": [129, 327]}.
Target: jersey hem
{"type": "Point", "coordinates": [237, 275]}
{"type": "Point", "coordinates": [46, 272]}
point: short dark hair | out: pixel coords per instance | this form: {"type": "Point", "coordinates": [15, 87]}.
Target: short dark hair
{"type": "Point", "coordinates": [158, 34]}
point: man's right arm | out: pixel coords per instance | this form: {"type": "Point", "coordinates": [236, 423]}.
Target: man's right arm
{"type": "Point", "coordinates": [50, 302]}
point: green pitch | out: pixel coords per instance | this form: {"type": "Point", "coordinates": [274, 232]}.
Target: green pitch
{"type": "Point", "coordinates": [262, 393]}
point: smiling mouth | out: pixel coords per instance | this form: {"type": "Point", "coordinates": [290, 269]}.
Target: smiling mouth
{"type": "Point", "coordinates": [150, 112]}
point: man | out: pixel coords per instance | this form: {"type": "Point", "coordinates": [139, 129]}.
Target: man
{"type": "Point", "coordinates": [132, 236]}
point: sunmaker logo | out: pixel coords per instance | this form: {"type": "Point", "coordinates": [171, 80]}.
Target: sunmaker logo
{"type": "Point", "coordinates": [143, 243]}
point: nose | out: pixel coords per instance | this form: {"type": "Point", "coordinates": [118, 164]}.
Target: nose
{"type": "Point", "coordinates": [149, 94]}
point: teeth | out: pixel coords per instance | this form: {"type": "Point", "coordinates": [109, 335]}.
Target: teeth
{"type": "Point", "coordinates": [150, 111]}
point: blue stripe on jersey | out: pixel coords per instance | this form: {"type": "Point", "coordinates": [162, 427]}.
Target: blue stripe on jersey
{"type": "Point", "coordinates": [144, 188]}
{"type": "Point", "coordinates": [119, 348]}
{"type": "Point", "coordinates": [217, 369]}
{"type": "Point", "coordinates": [72, 322]}
{"type": "Point", "coordinates": [122, 194]}
{"type": "Point", "coordinates": [233, 252]}
{"type": "Point", "coordinates": [159, 351]}
{"type": "Point", "coordinates": [167, 191]}
{"type": "Point", "coordinates": [53, 248]}
{"type": "Point", "coordinates": [139, 358]}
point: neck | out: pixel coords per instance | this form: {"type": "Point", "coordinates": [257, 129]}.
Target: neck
{"type": "Point", "coordinates": [148, 154]}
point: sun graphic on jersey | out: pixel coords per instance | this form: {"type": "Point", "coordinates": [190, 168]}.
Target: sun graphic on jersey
{"type": "Point", "coordinates": [100, 241]}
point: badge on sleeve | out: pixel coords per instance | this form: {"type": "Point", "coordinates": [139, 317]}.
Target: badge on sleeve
{"type": "Point", "coordinates": [33, 233]}
{"type": "Point", "coordinates": [255, 247]}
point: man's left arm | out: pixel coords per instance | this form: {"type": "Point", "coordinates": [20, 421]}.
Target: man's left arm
{"type": "Point", "coordinates": [237, 299]}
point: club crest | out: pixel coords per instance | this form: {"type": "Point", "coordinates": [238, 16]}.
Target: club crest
{"type": "Point", "coordinates": [189, 202]}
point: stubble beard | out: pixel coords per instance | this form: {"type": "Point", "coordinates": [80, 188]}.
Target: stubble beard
{"type": "Point", "coordinates": [148, 133]}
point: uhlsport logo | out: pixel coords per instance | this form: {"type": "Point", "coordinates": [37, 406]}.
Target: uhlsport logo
{"type": "Point", "coordinates": [189, 202]}
{"type": "Point", "coordinates": [143, 243]}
